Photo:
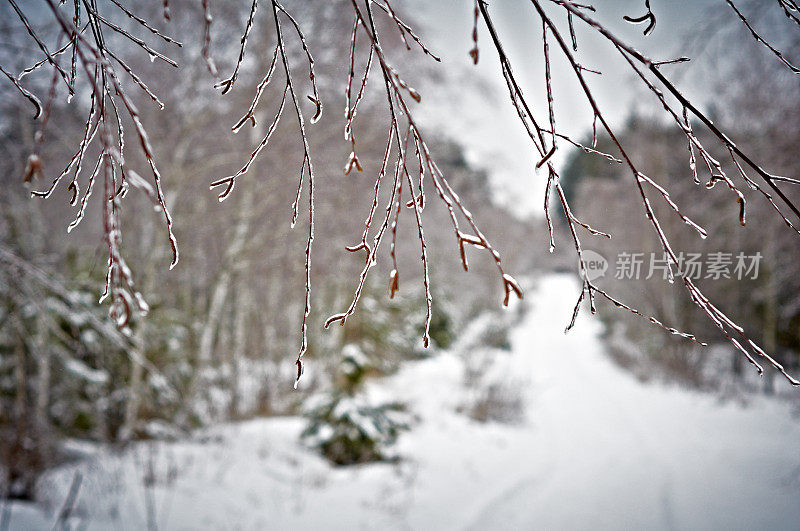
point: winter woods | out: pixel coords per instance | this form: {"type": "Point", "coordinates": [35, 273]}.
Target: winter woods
{"type": "Point", "coordinates": [92, 63]}
{"type": "Point", "coordinates": [331, 203]}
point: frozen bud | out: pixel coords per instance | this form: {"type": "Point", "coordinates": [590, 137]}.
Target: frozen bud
{"type": "Point", "coordinates": [33, 168]}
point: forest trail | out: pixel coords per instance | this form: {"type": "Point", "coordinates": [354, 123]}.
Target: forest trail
{"type": "Point", "coordinates": [614, 453]}
{"type": "Point", "coordinates": [597, 449]}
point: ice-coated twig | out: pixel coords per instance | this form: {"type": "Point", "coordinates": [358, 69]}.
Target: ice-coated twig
{"type": "Point", "coordinates": [760, 39]}
{"type": "Point", "coordinates": [397, 89]}
{"type": "Point", "coordinates": [136, 40]}
{"type": "Point", "coordinates": [634, 59]}
{"type": "Point", "coordinates": [790, 9]}
{"type": "Point", "coordinates": [227, 84]}
{"type": "Point", "coordinates": [648, 17]}
{"type": "Point", "coordinates": [207, 21]}
{"type": "Point", "coordinates": [306, 167]}
{"type": "Point", "coordinates": [142, 22]}
{"type": "Point", "coordinates": [250, 114]}
{"type": "Point", "coordinates": [94, 56]}
{"type": "Point", "coordinates": [37, 105]}
{"type": "Point", "coordinates": [111, 106]}
{"type": "Point", "coordinates": [50, 57]}
{"type": "Point", "coordinates": [691, 108]}
{"type": "Point", "coordinates": [404, 29]}
{"type": "Point", "coordinates": [230, 181]}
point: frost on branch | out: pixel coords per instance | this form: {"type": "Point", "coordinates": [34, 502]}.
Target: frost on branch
{"type": "Point", "coordinates": [82, 29]}
{"type": "Point", "coordinates": [407, 161]}
{"type": "Point", "coordinates": [680, 110]}
{"type": "Point", "coordinates": [83, 57]}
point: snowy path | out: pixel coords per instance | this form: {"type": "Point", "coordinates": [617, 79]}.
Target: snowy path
{"type": "Point", "coordinates": [622, 454]}
{"type": "Point", "coordinates": [605, 451]}
{"type": "Point", "coordinates": [599, 450]}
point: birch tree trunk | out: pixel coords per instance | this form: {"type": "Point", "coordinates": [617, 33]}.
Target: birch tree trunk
{"type": "Point", "coordinates": [134, 396]}
{"type": "Point", "coordinates": [242, 309]}
{"type": "Point", "coordinates": [216, 307]}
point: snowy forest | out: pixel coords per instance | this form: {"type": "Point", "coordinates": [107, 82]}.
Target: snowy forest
{"type": "Point", "coordinates": [338, 264]}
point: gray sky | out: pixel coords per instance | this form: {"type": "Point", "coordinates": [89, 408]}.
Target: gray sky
{"type": "Point", "coordinates": [489, 126]}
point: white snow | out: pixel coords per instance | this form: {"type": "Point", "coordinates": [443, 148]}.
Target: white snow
{"type": "Point", "coordinates": [598, 450]}
{"type": "Point", "coordinates": [84, 372]}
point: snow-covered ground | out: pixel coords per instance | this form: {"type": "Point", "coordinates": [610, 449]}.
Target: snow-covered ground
{"type": "Point", "coordinates": [597, 449]}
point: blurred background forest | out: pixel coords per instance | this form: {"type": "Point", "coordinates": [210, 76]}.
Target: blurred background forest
{"type": "Point", "coordinates": [219, 340]}
{"type": "Point", "coordinates": [758, 101]}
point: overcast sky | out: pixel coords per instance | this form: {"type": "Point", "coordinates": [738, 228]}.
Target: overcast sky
{"type": "Point", "coordinates": [489, 126]}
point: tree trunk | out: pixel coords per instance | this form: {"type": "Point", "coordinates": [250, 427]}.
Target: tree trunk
{"type": "Point", "coordinates": [133, 401]}
{"type": "Point", "coordinates": [241, 311]}
{"type": "Point", "coordinates": [134, 398]}
{"type": "Point", "coordinates": [20, 409]}
{"type": "Point", "coordinates": [42, 356]}
{"type": "Point", "coordinates": [218, 298]}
